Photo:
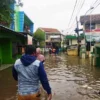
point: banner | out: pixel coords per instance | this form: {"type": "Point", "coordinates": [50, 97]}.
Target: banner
{"type": "Point", "coordinates": [29, 39]}
{"type": "Point", "coordinates": [92, 37]}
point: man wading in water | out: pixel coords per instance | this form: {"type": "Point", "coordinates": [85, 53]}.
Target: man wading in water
{"type": "Point", "coordinates": [28, 71]}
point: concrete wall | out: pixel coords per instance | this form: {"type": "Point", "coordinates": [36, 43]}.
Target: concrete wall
{"type": "Point", "coordinates": [72, 42]}
{"type": "Point", "coordinates": [97, 26]}
{"type": "Point", "coordinates": [53, 38]}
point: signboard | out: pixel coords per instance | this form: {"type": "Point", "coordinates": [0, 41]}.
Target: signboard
{"type": "Point", "coordinates": [29, 39]}
{"type": "Point", "coordinates": [92, 37]}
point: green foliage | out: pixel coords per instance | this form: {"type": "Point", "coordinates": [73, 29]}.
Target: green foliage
{"type": "Point", "coordinates": [82, 34]}
{"type": "Point", "coordinates": [6, 11]}
{"type": "Point", "coordinates": [6, 2]}
{"type": "Point", "coordinates": [42, 44]}
{"type": "Point", "coordinates": [39, 35]}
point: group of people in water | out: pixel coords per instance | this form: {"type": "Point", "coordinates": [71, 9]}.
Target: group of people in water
{"type": "Point", "coordinates": [53, 50]}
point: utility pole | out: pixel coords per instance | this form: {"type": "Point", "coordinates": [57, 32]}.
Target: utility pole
{"type": "Point", "coordinates": [77, 31]}
{"type": "Point", "coordinates": [78, 38]}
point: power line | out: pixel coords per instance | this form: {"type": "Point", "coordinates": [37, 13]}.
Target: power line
{"type": "Point", "coordinates": [82, 5]}
{"type": "Point", "coordinates": [94, 3]}
{"type": "Point", "coordinates": [72, 12]}
{"type": "Point", "coordinates": [91, 6]}
{"type": "Point", "coordinates": [92, 9]}
{"type": "Point", "coordinates": [97, 6]}
{"type": "Point", "coordinates": [79, 10]}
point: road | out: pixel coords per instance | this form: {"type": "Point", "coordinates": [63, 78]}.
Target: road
{"type": "Point", "coordinates": [70, 77]}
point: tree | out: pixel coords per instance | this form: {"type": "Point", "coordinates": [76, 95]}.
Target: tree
{"type": "Point", "coordinates": [39, 36]}
{"type": "Point", "coordinates": [6, 11]}
{"type": "Point", "coordinates": [42, 44]}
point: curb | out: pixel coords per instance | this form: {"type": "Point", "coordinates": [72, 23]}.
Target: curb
{"type": "Point", "coordinates": [5, 66]}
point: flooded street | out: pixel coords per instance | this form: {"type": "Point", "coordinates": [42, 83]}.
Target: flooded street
{"type": "Point", "coordinates": [71, 78]}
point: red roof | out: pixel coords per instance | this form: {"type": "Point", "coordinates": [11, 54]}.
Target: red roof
{"type": "Point", "coordinates": [93, 30]}
{"type": "Point", "coordinates": [51, 30]}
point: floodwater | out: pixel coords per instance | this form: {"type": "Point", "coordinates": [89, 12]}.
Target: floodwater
{"type": "Point", "coordinates": [70, 77]}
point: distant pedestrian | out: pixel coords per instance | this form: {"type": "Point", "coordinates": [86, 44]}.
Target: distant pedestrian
{"type": "Point", "coordinates": [50, 50]}
{"type": "Point", "coordinates": [28, 71]}
{"type": "Point", "coordinates": [53, 50]}
{"type": "Point", "coordinates": [57, 50]}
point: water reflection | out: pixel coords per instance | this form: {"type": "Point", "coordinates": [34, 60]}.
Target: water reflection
{"type": "Point", "coordinates": [71, 78]}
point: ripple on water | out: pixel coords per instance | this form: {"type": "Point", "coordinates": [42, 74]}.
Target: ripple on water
{"type": "Point", "coordinates": [71, 78]}
{"type": "Point", "coordinates": [69, 75]}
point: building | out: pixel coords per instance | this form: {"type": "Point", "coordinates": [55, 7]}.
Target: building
{"type": "Point", "coordinates": [71, 40]}
{"type": "Point", "coordinates": [53, 37]}
{"type": "Point", "coordinates": [13, 38]}
{"type": "Point", "coordinates": [11, 44]}
{"type": "Point", "coordinates": [91, 26]}
{"type": "Point", "coordinates": [23, 23]}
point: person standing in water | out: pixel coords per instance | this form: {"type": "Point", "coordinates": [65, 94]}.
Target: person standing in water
{"type": "Point", "coordinates": [28, 71]}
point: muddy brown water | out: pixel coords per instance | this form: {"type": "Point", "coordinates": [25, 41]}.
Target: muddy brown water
{"type": "Point", "coordinates": [70, 77]}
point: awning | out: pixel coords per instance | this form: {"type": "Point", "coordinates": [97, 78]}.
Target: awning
{"type": "Point", "coordinates": [3, 28]}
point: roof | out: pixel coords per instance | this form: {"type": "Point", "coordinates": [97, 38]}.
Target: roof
{"type": "Point", "coordinates": [9, 30]}
{"type": "Point", "coordinates": [50, 30]}
{"type": "Point", "coordinates": [27, 19]}
{"type": "Point", "coordinates": [26, 33]}
{"type": "Point", "coordinates": [74, 37]}
{"type": "Point", "coordinates": [86, 19]}
{"type": "Point", "coordinates": [71, 37]}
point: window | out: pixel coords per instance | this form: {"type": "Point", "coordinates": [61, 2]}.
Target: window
{"type": "Point", "coordinates": [14, 49]}
{"type": "Point", "coordinates": [87, 26]}
{"type": "Point", "coordinates": [46, 37]}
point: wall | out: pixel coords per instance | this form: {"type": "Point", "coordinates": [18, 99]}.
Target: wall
{"type": "Point", "coordinates": [70, 42]}
{"type": "Point", "coordinates": [47, 38]}
{"type": "Point", "coordinates": [6, 53]}
{"type": "Point", "coordinates": [6, 46]}
{"type": "Point", "coordinates": [74, 42]}
{"type": "Point", "coordinates": [16, 17]}
{"type": "Point", "coordinates": [53, 38]}
{"type": "Point", "coordinates": [0, 55]}
{"type": "Point", "coordinates": [97, 26]}
{"type": "Point", "coordinates": [21, 21]}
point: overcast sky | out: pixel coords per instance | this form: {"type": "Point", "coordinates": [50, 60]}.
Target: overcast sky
{"type": "Point", "coordinates": [56, 13]}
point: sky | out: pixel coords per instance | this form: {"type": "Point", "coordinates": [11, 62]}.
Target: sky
{"type": "Point", "coordinates": [57, 13]}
